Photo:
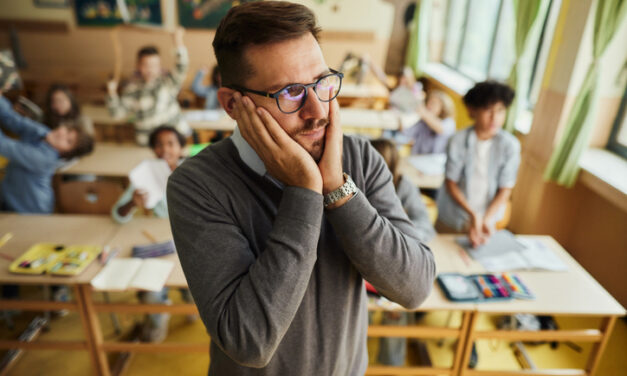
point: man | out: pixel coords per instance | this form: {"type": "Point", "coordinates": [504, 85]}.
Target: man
{"type": "Point", "coordinates": [274, 252]}
{"type": "Point", "coordinates": [481, 166]}
{"type": "Point", "coordinates": [149, 100]}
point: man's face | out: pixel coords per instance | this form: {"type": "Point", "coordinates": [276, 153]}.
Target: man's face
{"type": "Point", "coordinates": [149, 67]}
{"type": "Point", "coordinates": [489, 120]}
{"type": "Point", "coordinates": [294, 61]}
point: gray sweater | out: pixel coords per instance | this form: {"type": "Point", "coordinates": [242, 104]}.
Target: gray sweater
{"type": "Point", "coordinates": [276, 278]}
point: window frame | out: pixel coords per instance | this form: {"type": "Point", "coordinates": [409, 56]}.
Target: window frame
{"type": "Point", "coordinates": [612, 144]}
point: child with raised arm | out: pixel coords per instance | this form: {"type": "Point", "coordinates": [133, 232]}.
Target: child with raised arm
{"type": "Point", "coordinates": [150, 99]}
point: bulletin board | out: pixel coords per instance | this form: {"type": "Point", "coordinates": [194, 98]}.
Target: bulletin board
{"type": "Point", "coordinates": [107, 13]}
{"type": "Point", "coordinates": [204, 14]}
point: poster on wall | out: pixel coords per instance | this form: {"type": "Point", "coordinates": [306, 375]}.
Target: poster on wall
{"type": "Point", "coordinates": [204, 14]}
{"type": "Point", "coordinates": [109, 13]}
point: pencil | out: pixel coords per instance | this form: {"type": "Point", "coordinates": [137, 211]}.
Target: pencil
{"type": "Point", "coordinates": [464, 256]}
{"type": "Point", "coordinates": [5, 238]}
{"type": "Point", "coordinates": [149, 236]}
{"type": "Point", "coordinates": [7, 257]}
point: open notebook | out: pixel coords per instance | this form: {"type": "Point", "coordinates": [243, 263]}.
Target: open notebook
{"type": "Point", "coordinates": [133, 273]}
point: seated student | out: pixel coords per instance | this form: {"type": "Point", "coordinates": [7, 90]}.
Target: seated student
{"type": "Point", "coordinates": [61, 107]}
{"type": "Point", "coordinates": [210, 91]}
{"type": "Point", "coordinates": [167, 144]}
{"type": "Point", "coordinates": [150, 99]}
{"type": "Point", "coordinates": [436, 125]}
{"type": "Point", "coordinates": [392, 351]}
{"type": "Point", "coordinates": [481, 166]}
{"type": "Point", "coordinates": [33, 159]}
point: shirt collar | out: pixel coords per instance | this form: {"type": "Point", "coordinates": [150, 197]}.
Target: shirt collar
{"type": "Point", "coordinates": [246, 152]}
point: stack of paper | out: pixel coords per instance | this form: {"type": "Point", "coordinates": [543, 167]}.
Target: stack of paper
{"type": "Point", "coordinates": [505, 252]}
{"type": "Point", "coordinates": [126, 273]}
{"type": "Point", "coordinates": [151, 176]}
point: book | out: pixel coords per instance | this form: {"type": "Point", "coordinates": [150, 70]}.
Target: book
{"type": "Point", "coordinates": [133, 273]}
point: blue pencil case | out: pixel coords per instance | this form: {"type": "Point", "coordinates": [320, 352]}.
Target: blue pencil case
{"type": "Point", "coordinates": [483, 287]}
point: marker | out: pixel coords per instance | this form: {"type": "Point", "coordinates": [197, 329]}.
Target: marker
{"type": "Point", "coordinates": [511, 283]}
{"type": "Point", "coordinates": [522, 285]}
{"type": "Point", "coordinates": [486, 290]}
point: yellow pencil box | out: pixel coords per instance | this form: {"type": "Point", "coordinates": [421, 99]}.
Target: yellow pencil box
{"type": "Point", "coordinates": [55, 259]}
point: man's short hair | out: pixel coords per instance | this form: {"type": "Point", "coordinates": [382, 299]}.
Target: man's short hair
{"type": "Point", "coordinates": [84, 142]}
{"type": "Point", "coordinates": [487, 93]}
{"type": "Point", "coordinates": [147, 51]}
{"type": "Point", "coordinates": [257, 23]}
{"type": "Point", "coordinates": [152, 139]}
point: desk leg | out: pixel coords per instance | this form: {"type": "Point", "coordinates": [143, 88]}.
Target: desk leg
{"type": "Point", "coordinates": [92, 330]}
{"type": "Point", "coordinates": [461, 340]}
{"type": "Point", "coordinates": [469, 339]}
{"type": "Point", "coordinates": [598, 348]}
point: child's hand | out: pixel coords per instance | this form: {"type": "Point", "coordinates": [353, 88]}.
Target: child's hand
{"type": "Point", "coordinates": [476, 234]}
{"type": "Point", "coordinates": [140, 197]}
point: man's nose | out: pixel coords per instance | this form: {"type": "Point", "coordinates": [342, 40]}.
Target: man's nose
{"type": "Point", "coordinates": [313, 108]}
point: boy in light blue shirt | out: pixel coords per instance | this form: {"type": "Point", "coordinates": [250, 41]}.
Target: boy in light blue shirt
{"type": "Point", "coordinates": [481, 166]}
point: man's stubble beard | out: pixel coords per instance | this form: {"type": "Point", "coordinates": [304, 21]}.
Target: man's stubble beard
{"type": "Point", "coordinates": [317, 148]}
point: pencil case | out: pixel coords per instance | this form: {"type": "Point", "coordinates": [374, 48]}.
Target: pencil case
{"type": "Point", "coordinates": [483, 287]}
{"type": "Point", "coordinates": [55, 259]}
{"type": "Point", "coordinates": [154, 250]}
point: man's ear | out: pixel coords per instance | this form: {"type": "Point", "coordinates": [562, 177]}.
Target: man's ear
{"type": "Point", "coordinates": [225, 97]}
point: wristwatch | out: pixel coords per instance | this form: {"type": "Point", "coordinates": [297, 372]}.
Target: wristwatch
{"type": "Point", "coordinates": [345, 190]}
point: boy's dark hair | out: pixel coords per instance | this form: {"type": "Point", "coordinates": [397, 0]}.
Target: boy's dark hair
{"type": "Point", "coordinates": [487, 93]}
{"type": "Point", "coordinates": [152, 139]}
{"type": "Point", "coordinates": [53, 120]}
{"type": "Point", "coordinates": [84, 143]}
{"type": "Point", "coordinates": [257, 23]}
{"type": "Point", "coordinates": [147, 51]}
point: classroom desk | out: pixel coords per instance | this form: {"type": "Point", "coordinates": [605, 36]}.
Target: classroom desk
{"type": "Point", "coordinates": [417, 177]}
{"type": "Point", "coordinates": [109, 160]}
{"type": "Point", "coordinates": [571, 293]}
{"type": "Point", "coordinates": [373, 95]}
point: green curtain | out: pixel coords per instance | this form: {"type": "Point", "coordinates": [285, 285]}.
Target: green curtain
{"type": "Point", "coordinates": [564, 163]}
{"type": "Point", "coordinates": [526, 14]}
{"type": "Point", "coordinates": [418, 44]}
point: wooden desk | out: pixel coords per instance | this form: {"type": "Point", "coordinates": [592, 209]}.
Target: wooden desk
{"type": "Point", "coordinates": [420, 179]}
{"type": "Point", "coordinates": [371, 95]}
{"type": "Point", "coordinates": [109, 160]}
{"type": "Point", "coordinates": [573, 292]}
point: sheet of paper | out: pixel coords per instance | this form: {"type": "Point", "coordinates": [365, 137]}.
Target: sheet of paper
{"type": "Point", "coordinates": [504, 262]}
{"type": "Point", "coordinates": [429, 164]}
{"type": "Point", "coordinates": [151, 175]}
{"type": "Point", "coordinates": [152, 274]}
{"type": "Point", "coordinates": [539, 256]}
{"type": "Point", "coordinates": [117, 274]}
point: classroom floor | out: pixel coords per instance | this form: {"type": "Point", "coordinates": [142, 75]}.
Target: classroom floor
{"type": "Point", "coordinates": [492, 354]}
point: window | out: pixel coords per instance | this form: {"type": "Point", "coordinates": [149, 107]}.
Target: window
{"type": "Point", "coordinates": [618, 138]}
{"type": "Point", "coordinates": [479, 41]}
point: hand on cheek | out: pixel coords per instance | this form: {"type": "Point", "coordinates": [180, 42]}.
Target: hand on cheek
{"type": "Point", "coordinates": [283, 157]}
{"type": "Point", "coordinates": [331, 162]}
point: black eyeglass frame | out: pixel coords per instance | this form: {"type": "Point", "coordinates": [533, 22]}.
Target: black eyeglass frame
{"type": "Point", "coordinates": [277, 93]}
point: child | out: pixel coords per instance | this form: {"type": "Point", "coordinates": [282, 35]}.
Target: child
{"type": "Point", "coordinates": [392, 351]}
{"type": "Point", "coordinates": [481, 166]}
{"type": "Point", "coordinates": [150, 99]}
{"type": "Point", "coordinates": [33, 159]}
{"type": "Point", "coordinates": [167, 144]}
{"type": "Point", "coordinates": [61, 107]}
{"type": "Point", "coordinates": [436, 124]}
{"type": "Point", "coordinates": [209, 92]}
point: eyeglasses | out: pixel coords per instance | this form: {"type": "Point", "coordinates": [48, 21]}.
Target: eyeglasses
{"type": "Point", "coordinates": [293, 97]}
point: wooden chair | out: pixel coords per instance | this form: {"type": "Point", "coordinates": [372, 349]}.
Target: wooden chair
{"type": "Point", "coordinates": [87, 197]}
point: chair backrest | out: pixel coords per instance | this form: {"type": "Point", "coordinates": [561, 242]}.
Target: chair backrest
{"type": "Point", "coordinates": [87, 197]}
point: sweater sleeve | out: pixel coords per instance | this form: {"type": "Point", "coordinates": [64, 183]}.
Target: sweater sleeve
{"type": "Point", "coordinates": [27, 129]}
{"type": "Point", "coordinates": [247, 301]}
{"type": "Point", "coordinates": [416, 209]}
{"type": "Point", "coordinates": [380, 240]}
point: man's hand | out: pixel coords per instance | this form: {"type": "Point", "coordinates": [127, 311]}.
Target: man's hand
{"type": "Point", "coordinates": [283, 157]}
{"type": "Point", "coordinates": [331, 162]}
{"type": "Point", "coordinates": [112, 87]}
{"type": "Point", "coordinates": [177, 36]}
